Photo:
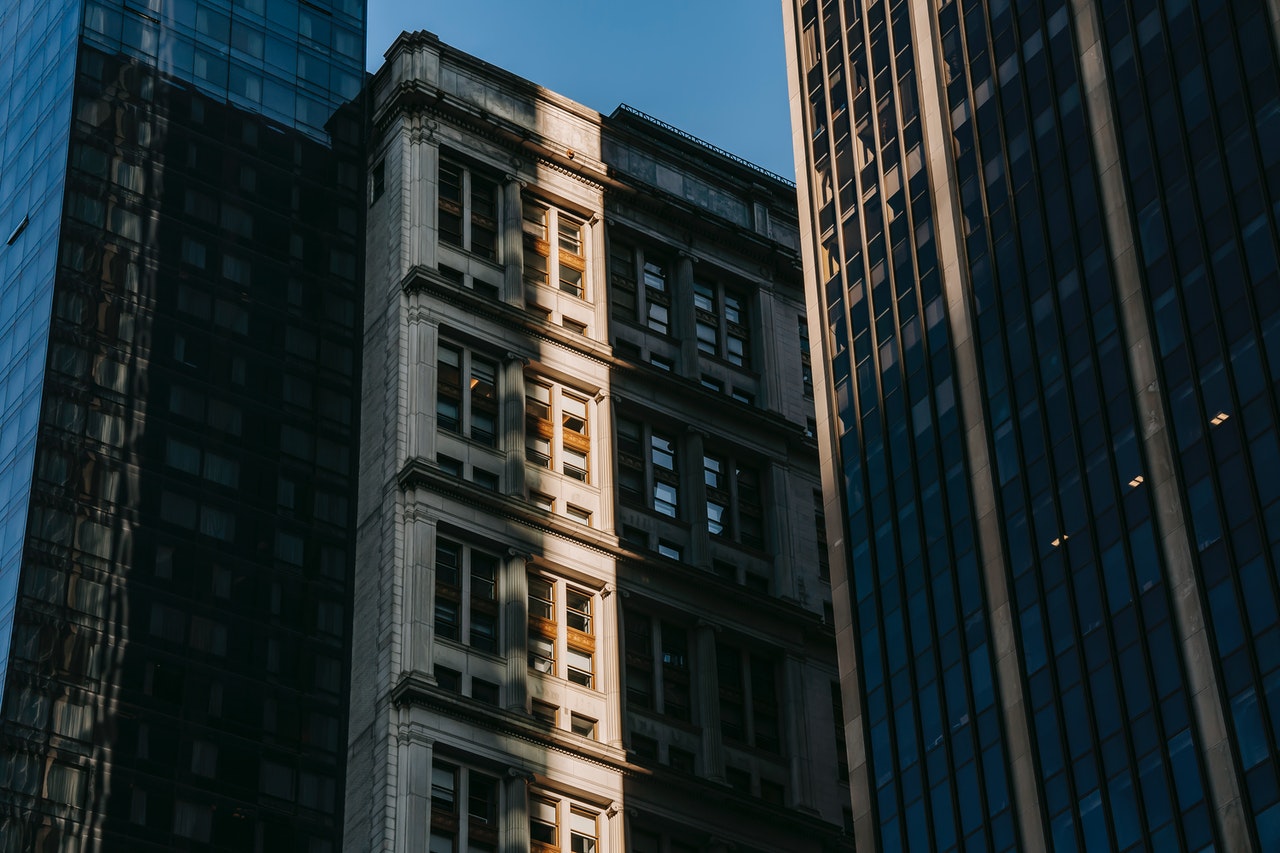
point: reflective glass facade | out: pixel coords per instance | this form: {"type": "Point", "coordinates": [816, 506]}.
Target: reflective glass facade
{"type": "Point", "coordinates": [1055, 222]}
{"type": "Point", "coordinates": [37, 62]}
{"type": "Point", "coordinates": [177, 673]}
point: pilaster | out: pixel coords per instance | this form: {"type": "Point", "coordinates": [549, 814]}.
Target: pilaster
{"type": "Point", "coordinates": [610, 663]}
{"type": "Point", "coordinates": [779, 530]}
{"type": "Point", "coordinates": [512, 409]}
{"type": "Point", "coordinates": [800, 795]}
{"type": "Point", "coordinates": [693, 489]}
{"type": "Point", "coordinates": [515, 594]}
{"type": "Point", "coordinates": [604, 462]}
{"type": "Point", "coordinates": [419, 213]}
{"type": "Point", "coordinates": [515, 817]}
{"type": "Point", "coordinates": [513, 242]}
{"type": "Point", "coordinates": [419, 377]}
{"type": "Point", "coordinates": [418, 604]}
{"type": "Point", "coordinates": [413, 787]}
{"type": "Point", "coordinates": [707, 700]}
{"type": "Point", "coordinates": [682, 316]}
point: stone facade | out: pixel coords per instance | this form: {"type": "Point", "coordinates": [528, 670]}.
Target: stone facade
{"type": "Point", "coordinates": [591, 613]}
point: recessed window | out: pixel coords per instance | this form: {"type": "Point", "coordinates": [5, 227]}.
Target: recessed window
{"type": "Point", "coordinates": [378, 181]}
{"type": "Point", "coordinates": [466, 595]}
{"type": "Point", "coordinates": [557, 429]}
{"type": "Point", "coordinates": [468, 207]}
{"type": "Point", "coordinates": [583, 726]}
{"type": "Point", "coordinates": [467, 394]}
{"type": "Point", "coordinates": [553, 249]}
{"type": "Point", "coordinates": [561, 630]}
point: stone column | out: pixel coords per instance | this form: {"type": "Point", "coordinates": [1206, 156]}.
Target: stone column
{"type": "Point", "coordinates": [602, 465]}
{"type": "Point", "coordinates": [778, 529]}
{"type": "Point", "coordinates": [693, 490]}
{"type": "Point", "coordinates": [614, 840]}
{"type": "Point", "coordinates": [515, 812]}
{"type": "Point", "coordinates": [512, 415]}
{"type": "Point", "coordinates": [413, 786]}
{"type": "Point", "coordinates": [417, 607]}
{"type": "Point", "coordinates": [421, 158]}
{"type": "Point", "coordinates": [707, 700]}
{"type": "Point", "coordinates": [764, 358]}
{"type": "Point", "coordinates": [513, 243]}
{"type": "Point", "coordinates": [682, 316]}
{"type": "Point", "coordinates": [794, 724]}
{"type": "Point", "coordinates": [609, 657]}
{"type": "Point", "coordinates": [597, 277]}
{"type": "Point", "coordinates": [515, 597]}
{"type": "Point", "coordinates": [420, 384]}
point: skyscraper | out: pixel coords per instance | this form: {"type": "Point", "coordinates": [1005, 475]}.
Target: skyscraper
{"type": "Point", "coordinates": [590, 610]}
{"type": "Point", "coordinates": [1040, 243]}
{"type": "Point", "coordinates": [181, 197]}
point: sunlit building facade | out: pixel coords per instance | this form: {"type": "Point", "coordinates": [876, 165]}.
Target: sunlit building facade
{"type": "Point", "coordinates": [591, 613]}
{"type": "Point", "coordinates": [181, 198]}
{"type": "Point", "coordinates": [1040, 246]}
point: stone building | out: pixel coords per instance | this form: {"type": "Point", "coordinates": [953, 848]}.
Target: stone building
{"type": "Point", "coordinates": [591, 608]}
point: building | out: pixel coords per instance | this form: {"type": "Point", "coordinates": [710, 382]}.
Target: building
{"type": "Point", "coordinates": [589, 604]}
{"type": "Point", "coordinates": [1040, 242]}
{"type": "Point", "coordinates": [181, 198]}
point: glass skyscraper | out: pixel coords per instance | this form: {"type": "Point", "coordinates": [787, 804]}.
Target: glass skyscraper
{"type": "Point", "coordinates": [181, 198]}
{"type": "Point", "coordinates": [1041, 246]}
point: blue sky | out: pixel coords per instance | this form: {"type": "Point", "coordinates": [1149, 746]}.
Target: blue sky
{"type": "Point", "coordinates": [713, 68]}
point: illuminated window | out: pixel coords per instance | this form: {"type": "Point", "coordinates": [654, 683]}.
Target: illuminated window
{"type": "Point", "coordinates": [553, 249]}
{"type": "Point", "coordinates": [468, 210]}
{"type": "Point", "coordinates": [562, 630]}
{"type": "Point", "coordinates": [467, 394]}
{"type": "Point", "coordinates": [546, 818]}
{"type": "Point", "coordinates": [557, 429]}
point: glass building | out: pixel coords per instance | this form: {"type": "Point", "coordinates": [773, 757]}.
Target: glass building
{"type": "Point", "coordinates": [1040, 243]}
{"type": "Point", "coordinates": [182, 200]}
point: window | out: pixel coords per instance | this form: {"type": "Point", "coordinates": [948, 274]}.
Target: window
{"type": "Point", "coordinates": [467, 394]}
{"type": "Point", "coordinates": [657, 666]}
{"type": "Point", "coordinates": [468, 210]}
{"type": "Point", "coordinates": [378, 181]}
{"type": "Point", "coordinates": [451, 828]}
{"type": "Point", "coordinates": [649, 305]}
{"type": "Point", "coordinates": [806, 358]}
{"type": "Point", "coordinates": [820, 531]}
{"type": "Point", "coordinates": [557, 429]}
{"type": "Point", "coordinates": [466, 595]}
{"type": "Point", "coordinates": [553, 249]}
{"type": "Point", "coordinates": [721, 322]}
{"type": "Point", "coordinates": [583, 726]}
{"type": "Point", "coordinates": [748, 698]}
{"type": "Point", "coordinates": [655, 464]}
{"type": "Point", "coordinates": [735, 510]}
{"type": "Point", "coordinates": [561, 630]}
{"type": "Point", "coordinates": [546, 817]}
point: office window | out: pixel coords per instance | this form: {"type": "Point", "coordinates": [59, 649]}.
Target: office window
{"type": "Point", "coordinates": [648, 468]}
{"type": "Point", "coordinates": [657, 666]}
{"type": "Point", "coordinates": [557, 433]}
{"type": "Point", "coordinates": [467, 394]}
{"type": "Point", "coordinates": [562, 630]}
{"type": "Point", "coordinates": [806, 357]}
{"type": "Point", "coordinates": [735, 508]}
{"type": "Point", "coordinates": [468, 210]}
{"type": "Point", "coordinates": [820, 533]}
{"type": "Point", "coordinates": [453, 828]}
{"type": "Point", "coordinates": [553, 249]}
{"type": "Point", "coordinates": [749, 708]}
{"type": "Point", "coordinates": [649, 305]}
{"type": "Point", "coordinates": [551, 819]}
{"type": "Point", "coordinates": [721, 322]}
{"type": "Point", "coordinates": [466, 595]}
{"type": "Point", "coordinates": [378, 181]}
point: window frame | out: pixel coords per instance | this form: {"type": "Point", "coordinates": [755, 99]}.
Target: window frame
{"type": "Point", "coordinates": [470, 405]}
{"type": "Point", "coordinates": [473, 184]}
{"type": "Point", "coordinates": [552, 443]}
{"type": "Point", "coordinates": [460, 595]}
{"type": "Point", "coordinates": [557, 633]}
{"type": "Point", "coordinates": [548, 239]}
